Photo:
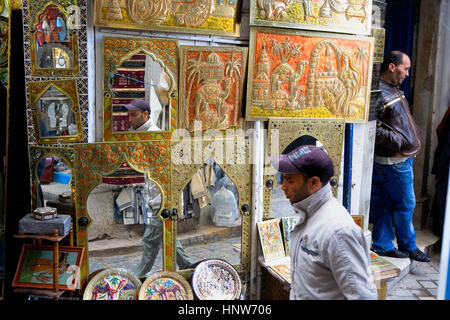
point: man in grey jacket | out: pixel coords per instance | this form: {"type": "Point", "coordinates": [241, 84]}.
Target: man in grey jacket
{"type": "Point", "coordinates": [329, 254]}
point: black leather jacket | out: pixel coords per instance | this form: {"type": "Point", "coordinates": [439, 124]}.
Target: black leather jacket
{"type": "Point", "coordinates": [397, 134]}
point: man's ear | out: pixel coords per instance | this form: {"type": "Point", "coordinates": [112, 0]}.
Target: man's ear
{"type": "Point", "coordinates": [314, 184]}
{"type": "Point", "coordinates": [391, 67]}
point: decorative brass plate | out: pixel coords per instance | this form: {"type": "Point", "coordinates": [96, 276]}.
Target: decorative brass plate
{"type": "Point", "coordinates": [298, 74]}
{"type": "Point", "coordinates": [211, 83]}
{"type": "Point", "coordinates": [342, 16]}
{"type": "Point", "coordinates": [282, 132]}
{"type": "Point", "coordinates": [209, 17]}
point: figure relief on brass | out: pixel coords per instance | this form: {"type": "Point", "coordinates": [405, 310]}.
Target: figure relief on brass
{"type": "Point", "coordinates": [203, 16]}
{"type": "Point", "coordinates": [309, 76]}
{"type": "Point", "coordinates": [348, 16]}
{"type": "Point", "coordinates": [211, 87]}
{"type": "Point", "coordinates": [54, 43]}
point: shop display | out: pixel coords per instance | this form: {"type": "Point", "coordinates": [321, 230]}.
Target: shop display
{"type": "Point", "coordinates": [54, 40]}
{"type": "Point", "coordinates": [201, 16]}
{"type": "Point", "coordinates": [144, 69]}
{"type": "Point", "coordinates": [344, 16]}
{"type": "Point", "coordinates": [113, 284]}
{"type": "Point", "coordinates": [165, 285]}
{"type": "Point", "coordinates": [56, 111]}
{"type": "Point", "coordinates": [35, 268]}
{"type": "Point", "coordinates": [298, 74]}
{"type": "Point", "coordinates": [271, 240]}
{"type": "Point", "coordinates": [216, 280]}
{"type": "Point", "coordinates": [211, 84]}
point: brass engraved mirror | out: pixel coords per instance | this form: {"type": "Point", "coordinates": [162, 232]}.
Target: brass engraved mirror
{"type": "Point", "coordinates": [284, 136]}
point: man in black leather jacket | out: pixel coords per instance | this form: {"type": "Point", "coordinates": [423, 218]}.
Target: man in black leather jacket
{"type": "Point", "coordinates": [397, 143]}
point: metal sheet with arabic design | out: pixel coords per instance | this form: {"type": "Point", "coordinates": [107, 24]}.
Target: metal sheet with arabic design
{"type": "Point", "coordinates": [165, 285]}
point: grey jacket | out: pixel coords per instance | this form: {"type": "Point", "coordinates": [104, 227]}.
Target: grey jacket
{"type": "Point", "coordinates": [329, 254]}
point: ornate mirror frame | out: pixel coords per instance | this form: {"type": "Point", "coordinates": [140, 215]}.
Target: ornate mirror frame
{"type": "Point", "coordinates": [115, 51]}
{"type": "Point", "coordinates": [207, 73]}
{"type": "Point", "coordinates": [95, 160]}
{"type": "Point", "coordinates": [308, 75]}
{"type": "Point", "coordinates": [36, 154]}
{"type": "Point", "coordinates": [37, 89]}
{"type": "Point", "coordinates": [198, 17]}
{"type": "Point", "coordinates": [282, 132]}
{"type": "Point", "coordinates": [35, 9]}
{"type": "Point", "coordinates": [354, 16]}
{"type": "Point", "coordinates": [233, 157]}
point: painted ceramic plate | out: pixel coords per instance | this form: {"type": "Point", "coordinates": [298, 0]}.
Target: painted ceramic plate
{"type": "Point", "coordinates": [165, 285]}
{"type": "Point", "coordinates": [216, 280]}
{"type": "Point", "coordinates": [113, 284]}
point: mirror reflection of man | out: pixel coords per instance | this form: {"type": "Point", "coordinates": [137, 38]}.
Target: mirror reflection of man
{"type": "Point", "coordinates": [138, 112]}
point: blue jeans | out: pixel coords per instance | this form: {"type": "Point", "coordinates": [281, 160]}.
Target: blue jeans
{"type": "Point", "coordinates": [392, 205]}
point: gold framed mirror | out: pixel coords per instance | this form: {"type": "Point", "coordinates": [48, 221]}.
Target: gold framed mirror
{"type": "Point", "coordinates": [104, 168]}
{"type": "Point", "coordinates": [53, 39]}
{"type": "Point", "coordinates": [55, 110]}
{"type": "Point", "coordinates": [139, 69]}
{"type": "Point", "coordinates": [284, 136]}
{"type": "Point", "coordinates": [211, 186]}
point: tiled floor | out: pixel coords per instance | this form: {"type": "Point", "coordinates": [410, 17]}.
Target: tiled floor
{"type": "Point", "coordinates": [421, 283]}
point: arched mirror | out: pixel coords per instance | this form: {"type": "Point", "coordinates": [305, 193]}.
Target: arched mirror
{"type": "Point", "coordinates": [140, 88]}
{"type": "Point", "coordinates": [53, 43]}
{"type": "Point", "coordinates": [52, 182]}
{"type": "Point", "coordinates": [55, 110]}
{"type": "Point", "coordinates": [212, 198]}
{"type": "Point", "coordinates": [286, 135]}
{"type": "Point", "coordinates": [121, 192]}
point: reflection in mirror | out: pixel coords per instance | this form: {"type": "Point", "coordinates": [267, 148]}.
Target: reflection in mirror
{"type": "Point", "coordinates": [53, 40]}
{"type": "Point", "coordinates": [209, 225]}
{"type": "Point", "coordinates": [54, 176]}
{"type": "Point", "coordinates": [126, 231]}
{"type": "Point", "coordinates": [140, 77]}
{"type": "Point", "coordinates": [56, 117]}
{"type": "Point", "coordinates": [280, 205]}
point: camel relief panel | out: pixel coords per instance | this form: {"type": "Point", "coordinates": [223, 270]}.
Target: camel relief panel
{"type": "Point", "coordinates": [211, 82]}
{"type": "Point", "coordinates": [218, 17]}
{"type": "Point", "coordinates": [308, 75]}
{"type": "Point", "coordinates": [343, 16]}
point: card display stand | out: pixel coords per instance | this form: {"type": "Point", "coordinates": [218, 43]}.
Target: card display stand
{"type": "Point", "coordinates": [55, 238]}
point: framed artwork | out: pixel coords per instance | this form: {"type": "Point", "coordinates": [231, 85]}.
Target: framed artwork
{"type": "Point", "coordinates": [53, 38]}
{"type": "Point", "coordinates": [271, 240]}
{"type": "Point", "coordinates": [342, 16]}
{"type": "Point", "coordinates": [55, 110]}
{"type": "Point", "coordinates": [139, 69]}
{"type": "Point", "coordinates": [211, 17]}
{"type": "Point", "coordinates": [113, 284]}
{"type": "Point", "coordinates": [35, 268]}
{"type": "Point", "coordinates": [300, 74]}
{"type": "Point", "coordinates": [211, 83]}
{"type": "Point", "coordinates": [359, 220]}
{"type": "Point", "coordinates": [283, 270]}
{"type": "Point", "coordinates": [287, 224]}
{"type": "Point", "coordinates": [165, 285]}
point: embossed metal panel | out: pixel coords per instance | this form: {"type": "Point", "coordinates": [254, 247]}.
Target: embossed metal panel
{"type": "Point", "coordinates": [298, 74]}
{"type": "Point", "coordinates": [209, 17]}
{"type": "Point", "coordinates": [343, 16]}
{"type": "Point", "coordinates": [211, 83]}
{"type": "Point", "coordinates": [127, 68]}
{"type": "Point", "coordinates": [282, 132]}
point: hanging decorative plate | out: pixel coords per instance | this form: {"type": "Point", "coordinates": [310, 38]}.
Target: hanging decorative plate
{"type": "Point", "coordinates": [216, 280]}
{"type": "Point", "coordinates": [165, 285]}
{"type": "Point", "coordinates": [113, 284]}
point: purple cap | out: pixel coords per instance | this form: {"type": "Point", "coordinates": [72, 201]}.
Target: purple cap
{"type": "Point", "coordinates": [138, 104]}
{"type": "Point", "coordinates": [308, 159]}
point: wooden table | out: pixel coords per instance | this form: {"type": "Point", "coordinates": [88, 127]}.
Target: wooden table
{"type": "Point", "coordinates": [55, 238]}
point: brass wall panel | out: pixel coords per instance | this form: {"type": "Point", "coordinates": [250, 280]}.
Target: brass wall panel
{"type": "Point", "coordinates": [343, 16]}
{"type": "Point", "coordinates": [209, 17]}
{"type": "Point", "coordinates": [282, 132]}
{"type": "Point", "coordinates": [298, 74]}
